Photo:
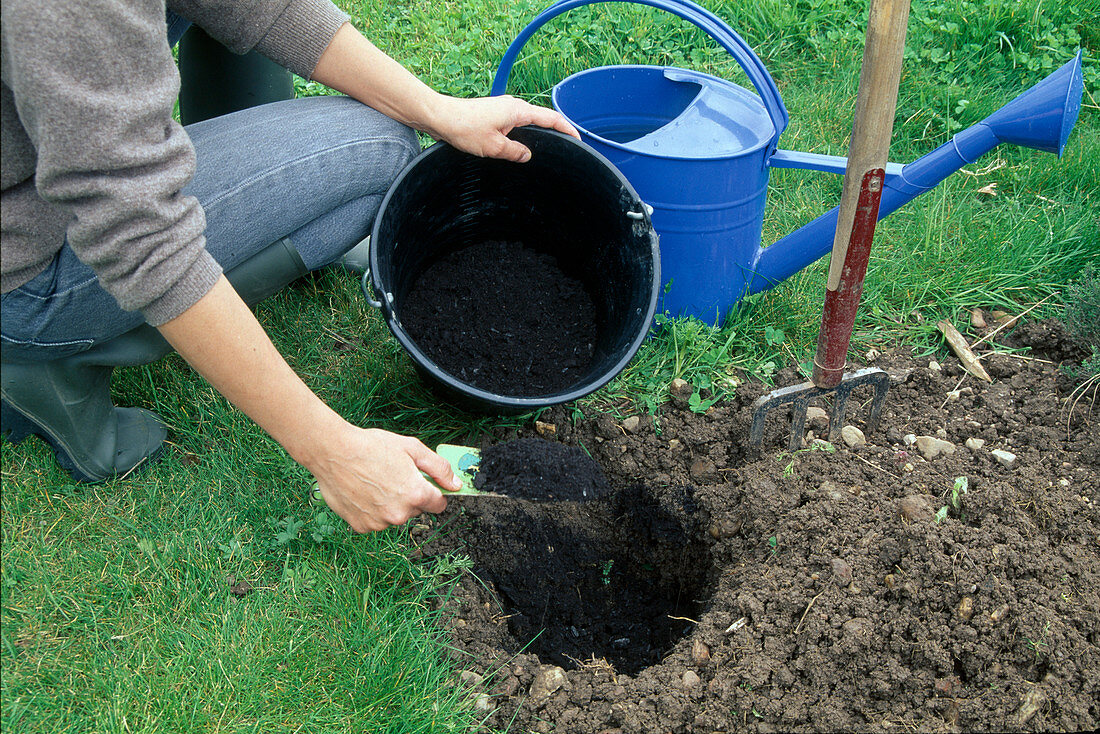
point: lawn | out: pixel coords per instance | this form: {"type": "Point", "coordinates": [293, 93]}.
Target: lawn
{"type": "Point", "coordinates": [205, 594]}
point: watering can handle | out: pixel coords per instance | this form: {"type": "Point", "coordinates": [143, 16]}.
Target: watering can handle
{"type": "Point", "coordinates": [689, 11]}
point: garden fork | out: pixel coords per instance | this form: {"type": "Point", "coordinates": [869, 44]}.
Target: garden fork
{"type": "Point", "coordinates": [855, 231]}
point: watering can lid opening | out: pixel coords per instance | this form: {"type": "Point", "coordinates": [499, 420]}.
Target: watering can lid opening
{"type": "Point", "coordinates": [721, 120]}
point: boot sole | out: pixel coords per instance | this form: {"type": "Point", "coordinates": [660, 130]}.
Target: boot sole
{"type": "Point", "coordinates": [16, 427]}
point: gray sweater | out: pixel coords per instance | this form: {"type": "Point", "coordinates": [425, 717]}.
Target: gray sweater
{"type": "Point", "coordinates": [90, 149]}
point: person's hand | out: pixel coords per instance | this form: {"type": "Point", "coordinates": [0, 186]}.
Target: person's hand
{"type": "Point", "coordinates": [481, 125]}
{"type": "Point", "coordinates": [372, 479]}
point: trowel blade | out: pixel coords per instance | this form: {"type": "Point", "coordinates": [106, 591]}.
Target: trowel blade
{"type": "Point", "coordinates": [465, 463]}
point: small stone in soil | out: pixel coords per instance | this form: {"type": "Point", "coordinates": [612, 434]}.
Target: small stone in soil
{"type": "Point", "coordinates": [817, 417]}
{"type": "Point", "coordinates": [1033, 700]}
{"type": "Point", "coordinates": [852, 436]}
{"type": "Point", "coordinates": [830, 490]}
{"type": "Point", "coordinates": [700, 652]}
{"type": "Point", "coordinates": [946, 686]}
{"type": "Point", "coordinates": [1007, 459]}
{"type": "Point", "coordinates": [680, 390]}
{"type": "Point", "coordinates": [915, 507]}
{"type": "Point", "coordinates": [931, 447]}
{"type": "Point", "coordinates": [842, 572]}
{"type": "Point", "coordinates": [470, 678]}
{"type": "Point", "coordinates": [724, 528]}
{"type": "Point", "coordinates": [547, 681]}
{"type": "Point", "coordinates": [702, 470]}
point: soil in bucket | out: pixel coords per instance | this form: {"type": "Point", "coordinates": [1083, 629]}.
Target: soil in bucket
{"type": "Point", "coordinates": [504, 318]}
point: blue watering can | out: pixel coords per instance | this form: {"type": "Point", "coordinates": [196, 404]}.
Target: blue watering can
{"type": "Point", "coordinates": [699, 149]}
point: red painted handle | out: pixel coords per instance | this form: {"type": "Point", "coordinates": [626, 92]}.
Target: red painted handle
{"type": "Point", "coordinates": [872, 126]}
{"type": "Point", "coordinates": [841, 304]}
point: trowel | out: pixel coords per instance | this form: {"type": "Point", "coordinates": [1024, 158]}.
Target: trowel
{"type": "Point", "coordinates": [465, 462]}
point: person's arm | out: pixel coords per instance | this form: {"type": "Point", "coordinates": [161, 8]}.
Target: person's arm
{"type": "Point", "coordinates": [369, 477]}
{"type": "Point", "coordinates": [355, 66]}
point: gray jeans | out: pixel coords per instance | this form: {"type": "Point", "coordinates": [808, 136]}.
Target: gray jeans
{"type": "Point", "coordinates": [314, 170]}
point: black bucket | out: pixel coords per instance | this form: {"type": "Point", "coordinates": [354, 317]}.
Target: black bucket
{"type": "Point", "coordinates": [567, 201]}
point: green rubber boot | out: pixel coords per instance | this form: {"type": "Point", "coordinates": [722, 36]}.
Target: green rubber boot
{"type": "Point", "coordinates": [267, 272]}
{"type": "Point", "coordinates": [67, 402]}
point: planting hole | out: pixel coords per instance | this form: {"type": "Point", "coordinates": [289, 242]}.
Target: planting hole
{"type": "Point", "coordinates": [617, 579]}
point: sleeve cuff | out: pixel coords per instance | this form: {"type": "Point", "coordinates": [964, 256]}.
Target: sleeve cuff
{"type": "Point", "coordinates": [193, 284]}
{"type": "Point", "coordinates": [301, 33]}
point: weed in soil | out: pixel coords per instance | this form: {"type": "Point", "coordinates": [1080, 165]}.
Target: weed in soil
{"type": "Point", "coordinates": [504, 318]}
{"type": "Point", "coordinates": [1083, 315]}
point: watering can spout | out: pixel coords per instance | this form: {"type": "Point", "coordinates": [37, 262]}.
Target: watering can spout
{"type": "Point", "coordinates": [1040, 118]}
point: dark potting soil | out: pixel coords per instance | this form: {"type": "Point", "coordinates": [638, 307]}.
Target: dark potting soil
{"type": "Point", "coordinates": [504, 318]}
{"type": "Point", "coordinates": [716, 589]}
{"type": "Point", "coordinates": [537, 469]}
{"type": "Point", "coordinates": [614, 581]}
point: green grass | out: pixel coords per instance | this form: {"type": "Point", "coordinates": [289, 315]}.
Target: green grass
{"type": "Point", "coordinates": [116, 611]}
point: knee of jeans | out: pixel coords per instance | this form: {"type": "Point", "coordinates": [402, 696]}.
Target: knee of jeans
{"type": "Point", "coordinates": [387, 127]}
{"type": "Point", "coordinates": [409, 137]}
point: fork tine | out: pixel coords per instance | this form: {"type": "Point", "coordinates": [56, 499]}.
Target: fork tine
{"type": "Point", "coordinates": [836, 415]}
{"type": "Point", "coordinates": [799, 397]}
{"type": "Point", "coordinates": [798, 424]}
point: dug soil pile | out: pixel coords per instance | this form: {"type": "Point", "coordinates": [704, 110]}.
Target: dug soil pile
{"type": "Point", "coordinates": [504, 318]}
{"type": "Point", "coordinates": [715, 590]}
{"type": "Point", "coordinates": [533, 469]}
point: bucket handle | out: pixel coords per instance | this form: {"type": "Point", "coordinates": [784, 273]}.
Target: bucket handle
{"type": "Point", "coordinates": [368, 289]}
{"type": "Point", "coordinates": [726, 37]}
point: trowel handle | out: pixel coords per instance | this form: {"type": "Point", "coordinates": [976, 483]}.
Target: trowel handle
{"type": "Point", "coordinates": [859, 200]}
{"type": "Point", "coordinates": [710, 23]}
